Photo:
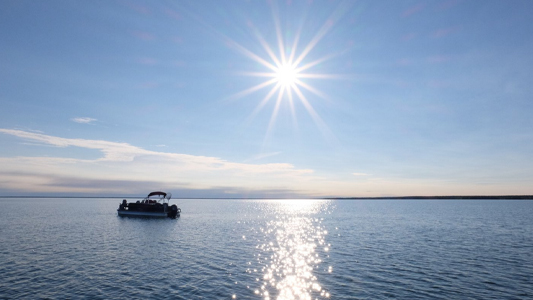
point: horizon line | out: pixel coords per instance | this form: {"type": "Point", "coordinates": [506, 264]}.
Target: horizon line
{"type": "Point", "coordinates": [466, 197]}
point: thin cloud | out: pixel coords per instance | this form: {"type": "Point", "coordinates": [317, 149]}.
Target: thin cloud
{"type": "Point", "coordinates": [263, 155]}
{"type": "Point", "coordinates": [122, 162]}
{"type": "Point", "coordinates": [124, 169]}
{"type": "Point", "coordinates": [83, 120]}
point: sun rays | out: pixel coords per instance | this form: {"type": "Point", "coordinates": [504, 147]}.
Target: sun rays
{"type": "Point", "coordinates": [287, 71]}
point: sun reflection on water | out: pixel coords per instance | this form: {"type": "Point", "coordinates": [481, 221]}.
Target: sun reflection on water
{"type": "Point", "coordinates": [289, 254]}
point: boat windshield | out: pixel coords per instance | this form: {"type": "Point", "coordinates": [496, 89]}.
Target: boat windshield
{"type": "Point", "coordinates": [158, 196]}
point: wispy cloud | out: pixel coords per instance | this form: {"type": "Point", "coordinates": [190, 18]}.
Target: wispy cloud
{"type": "Point", "coordinates": [262, 155]}
{"type": "Point", "coordinates": [122, 162]}
{"type": "Point", "coordinates": [83, 120]}
{"type": "Point", "coordinates": [126, 169]}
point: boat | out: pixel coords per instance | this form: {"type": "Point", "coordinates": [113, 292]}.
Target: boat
{"type": "Point", "coordinates": [155, 205]}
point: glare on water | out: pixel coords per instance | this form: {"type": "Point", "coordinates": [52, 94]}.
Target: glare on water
{"type": "Point", "coordinates": [289, 253]}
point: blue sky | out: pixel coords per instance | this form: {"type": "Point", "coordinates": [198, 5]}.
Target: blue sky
{"type": "Point", "coordinates": [383, 98]}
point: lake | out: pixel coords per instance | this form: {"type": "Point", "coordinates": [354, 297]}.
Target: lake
{"type": "Point", "coordinates": [268, 249]}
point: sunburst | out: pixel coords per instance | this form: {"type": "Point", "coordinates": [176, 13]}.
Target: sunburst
{"type": "Point", "coordinates": [286, 72]}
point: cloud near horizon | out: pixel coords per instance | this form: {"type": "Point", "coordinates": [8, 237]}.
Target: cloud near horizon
{"type": "Point", "coordinates": [124, 168]}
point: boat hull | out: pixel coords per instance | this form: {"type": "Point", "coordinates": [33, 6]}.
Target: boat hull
{"type": "Point", "coordinates": [128, 213]}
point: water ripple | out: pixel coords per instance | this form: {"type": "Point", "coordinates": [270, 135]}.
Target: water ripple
{"type": "Point", "coordinates": [267, 249]}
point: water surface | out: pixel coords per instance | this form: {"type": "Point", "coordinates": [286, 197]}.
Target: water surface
{"type": "Point", "coordinates": [268, 249]}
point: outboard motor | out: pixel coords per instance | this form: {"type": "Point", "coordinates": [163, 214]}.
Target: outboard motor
{"type": "Point", "coordinates": [123, 205]}
{"type": "Point", "coordinates": [174, 211]}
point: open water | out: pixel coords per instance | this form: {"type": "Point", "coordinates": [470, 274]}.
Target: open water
{"type": "Point", "coordinates": [268, 249]}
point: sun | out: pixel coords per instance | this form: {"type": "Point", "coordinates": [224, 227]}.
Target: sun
{"type": "Point", "coordinates": [286, 75]}
{"type": "Point", "coordinates": [287, 71]}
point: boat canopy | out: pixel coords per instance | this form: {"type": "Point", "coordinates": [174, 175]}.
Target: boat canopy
{"type": "Point", "coordinates": [157, 194]}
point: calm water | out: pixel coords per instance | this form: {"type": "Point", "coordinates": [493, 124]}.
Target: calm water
{"type": "Point", "coordinates": [268, 249]}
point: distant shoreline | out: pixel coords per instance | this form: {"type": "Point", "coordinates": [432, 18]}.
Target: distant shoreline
{"type": "Point", "coordinates": [502, 197]}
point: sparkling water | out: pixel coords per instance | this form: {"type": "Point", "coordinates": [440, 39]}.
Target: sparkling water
{"type": "Point", "coordinates": [268, 249]}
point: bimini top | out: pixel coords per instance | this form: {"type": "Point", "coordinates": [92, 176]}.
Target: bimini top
{"type": "Point", "coordinates": [157, 194]}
